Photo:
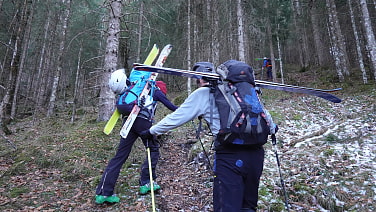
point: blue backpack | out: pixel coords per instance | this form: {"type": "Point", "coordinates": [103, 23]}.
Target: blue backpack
{"type": "Point", "coordinates": [130, 97]}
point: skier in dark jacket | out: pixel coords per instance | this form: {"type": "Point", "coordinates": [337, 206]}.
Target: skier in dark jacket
{"type": "Point", "coordinates": [237, 168]}
{"type": "Point", "coordinates": [105, 189]}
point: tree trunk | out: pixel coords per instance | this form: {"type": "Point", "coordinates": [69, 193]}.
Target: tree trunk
{"type": "Point", "coordinates": [106, 97]}
{"type": "Point", "coordinates": [317, 37]}
{"type": "Point", "coordinates": [357, 43]}
{"type": "Point", "coordinates": [270, 39]}
{"type": "Point", "coordinates": [25, 48]}
{"type": "Point", "coordinates": [338, 42]}
{"type": "Point", "coordinates": [371, 43]}
{"type": "Point", "coordinates": [215, 34]}
{"type": "Point", "coordinates": [36, 84]}
{"type": "Point", "coordinates": [240, 28]}
{"type": "Point", "coordinates": [299, 32]}
{"type": "Point", "coordinates": [76, 85]}
{"type": "Point", "coordinates": [64, 17]}
{"type": "Point", "coordinates": [140, 19]}
{"type": "Point", "coordinates": [17, 38]}
{"type": "Point", "coordinates": [189, 89]}
{"type": "Point", "coordinates": [280, 59]}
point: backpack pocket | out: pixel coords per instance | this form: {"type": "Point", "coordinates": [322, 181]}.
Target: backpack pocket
{"type": "Point", "coordinates": [245, 131]}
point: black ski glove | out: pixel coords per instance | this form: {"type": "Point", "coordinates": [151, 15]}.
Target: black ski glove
{"type": "Point", "coordinates": [142, 102]}
{"type": "Point", "coordinates": [145, 135]}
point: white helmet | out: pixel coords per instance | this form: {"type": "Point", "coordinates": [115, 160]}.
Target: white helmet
{"type": "Point", "coordinates": [118, 81]}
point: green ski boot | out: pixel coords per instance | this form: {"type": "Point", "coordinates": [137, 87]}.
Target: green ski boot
{"type": "Point", "coordinates": [99, 199]}
{"type": "Point", "coordinates": [146, 188]}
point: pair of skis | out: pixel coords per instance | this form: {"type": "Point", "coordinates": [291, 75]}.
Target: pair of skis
{"type": "Point", "coordinates": [136, 109]}
{"type": "Point", "coordinates": [145, 92]}
{"type": "Point", "coordinates": [322, 93]}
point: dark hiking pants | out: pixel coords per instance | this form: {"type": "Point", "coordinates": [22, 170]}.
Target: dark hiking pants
{"type": "Point", "coordinates": [237, 177]}
{"type": "Point", "coordinates": [111, 173]}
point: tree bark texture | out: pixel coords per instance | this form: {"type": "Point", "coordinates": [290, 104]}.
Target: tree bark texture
{"type": "Point", "coordinates": [317, 36]}
{"type": "Point", "coordinates": [371, 43]}
{"type": "Point", "coordinates": [64, 18]}
{"type": "Point", "coordinates": [357, 43]}
{"type": "Point", "coordinates": [240, 28]}
{"type": "Point", "coordinates": [107, 97]}
{"type": "Point", "coordinates": [338, 48]}
{"type": "Point", "coordinates": [16, 41]}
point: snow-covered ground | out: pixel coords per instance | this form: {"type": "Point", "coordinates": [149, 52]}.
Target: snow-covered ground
{"type": "Point", "coordinates": [327, 153]}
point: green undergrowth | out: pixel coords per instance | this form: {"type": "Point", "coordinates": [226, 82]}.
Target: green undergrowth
{"type": "Point", "coordinates": [55, 160]}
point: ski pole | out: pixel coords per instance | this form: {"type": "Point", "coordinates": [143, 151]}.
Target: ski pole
{"type": "Point", "coordinates": [274, 142]}
{"type": "Point", "coordinates": [199, 138]}
{"type": "Point", "coordinates": [150, 176]}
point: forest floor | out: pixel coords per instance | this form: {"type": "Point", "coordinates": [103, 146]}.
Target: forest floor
{"type": "Point", "coordinates": [327, 153]}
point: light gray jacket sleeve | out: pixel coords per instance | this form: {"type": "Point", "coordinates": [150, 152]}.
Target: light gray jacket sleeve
{"type": "Point", "coordinates": [197, 104]}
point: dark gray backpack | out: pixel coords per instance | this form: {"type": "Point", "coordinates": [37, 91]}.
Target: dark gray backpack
{"type": "Point", "coordinates": [243, 120]}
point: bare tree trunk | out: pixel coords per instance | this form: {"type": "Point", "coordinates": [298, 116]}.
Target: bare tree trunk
{"type": "Point", "coordinates": [17, 38]}
{"type": "Point", "coordinates": [280, 58]}
{"type": "Point", "coordinates": [371, 43]}
{"type": "Point", "coordinates": [299, 32]}
{"type": "Point", "coordinates": [209, 21]}
{"type": "Point", "coordinates": [319, 46]}
{"type": "Point", "coordinates": [107, 98]}
{"type": "Point", "coordinates": [140, 19]}
{"type": "Point", "coordinates": [36, 84]}
{"type": "Point", "coordinates": [189, 89]}
{"type": "Point", "coordinates": [241, 45]}
{"type": "Point", "coordinates": [357, 43]}
{"type": "Point", "coordinates": [270, 39]}
{"type": "Point", "coordinates": [76, 85]}
{"type": "Point", "coordinates": [215, 34]}
{"type": "Point", "coordinates": [25, 47]}
{"type": "Point", "coordinates": [338, 42]}
{"type": "Point", "coordinates": [64, 17]}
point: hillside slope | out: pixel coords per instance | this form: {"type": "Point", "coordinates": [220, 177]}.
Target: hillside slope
{"type": "Point", "coordinates": [327, 153]}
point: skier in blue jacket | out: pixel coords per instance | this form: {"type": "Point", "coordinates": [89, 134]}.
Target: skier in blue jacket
{"type": "Point", "coordinates": [267, 64]}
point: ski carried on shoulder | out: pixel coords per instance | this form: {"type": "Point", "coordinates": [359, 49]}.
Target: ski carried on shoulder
{"type": "Point", "coordinates": [297, 87]}
{"type": "Point", "coordinates": [136, 109]}
{"type": "Point", "coordinates": [116, 114]}
{"type": "Point", "coordinates": [322, 93]}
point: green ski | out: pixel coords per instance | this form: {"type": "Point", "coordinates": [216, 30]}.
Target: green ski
{"type": "Point", "coordinates": [116, 115]}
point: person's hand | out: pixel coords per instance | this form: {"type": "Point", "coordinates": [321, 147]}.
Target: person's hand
{"type": "Point", "coordinates": [145, 135]}
{"type": "Point", "coordinates": [142, 101]}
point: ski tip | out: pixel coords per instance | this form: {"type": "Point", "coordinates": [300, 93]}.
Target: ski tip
{"type": "Point", "coordinates": [331, 98]}
{"type": "Point", "coordinates": [337, 100]}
